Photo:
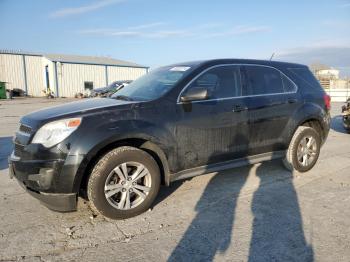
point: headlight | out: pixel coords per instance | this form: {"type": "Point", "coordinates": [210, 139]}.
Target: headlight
{"type": "Point", "coordinates": [55, 132]}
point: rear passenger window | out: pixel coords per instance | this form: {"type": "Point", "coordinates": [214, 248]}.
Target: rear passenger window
{"type": "Point", "coordinates": [260, 80]}
{"type": "Point", "coordinates": [221, 82]}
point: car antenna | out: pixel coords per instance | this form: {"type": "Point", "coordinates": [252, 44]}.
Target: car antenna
{"type": "Point", "coordinates": [273, 54]}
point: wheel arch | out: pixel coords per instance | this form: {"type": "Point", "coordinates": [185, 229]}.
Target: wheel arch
{"type": "Point", "coordinates": [313, 122]}
{"type": "Point", "coordinates": [92, 158]}
{"type": "Point", "coordinates": [311, 115]}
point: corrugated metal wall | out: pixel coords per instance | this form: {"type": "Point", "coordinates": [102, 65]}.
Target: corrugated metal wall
{"type": "Point", "coordinates": [71, 78]}
{"type": "Point", "coordinates": [124, 73]}
{"type": "Point", "coordinates": [12, 70]}
{"type": "Point", "coordinates": [35, 75]}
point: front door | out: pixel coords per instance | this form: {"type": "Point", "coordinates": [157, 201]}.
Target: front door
{"type": "Point", "coordinates": [213, 130]}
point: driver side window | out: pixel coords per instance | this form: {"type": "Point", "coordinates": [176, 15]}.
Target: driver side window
{"type": "Point", "coordinates": [221, 82]}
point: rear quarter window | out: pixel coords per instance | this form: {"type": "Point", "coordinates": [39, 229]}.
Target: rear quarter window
{"type": "Point", "coordinates": [306, 77]}
{"type": "Point", "coordinates": [289, 86]}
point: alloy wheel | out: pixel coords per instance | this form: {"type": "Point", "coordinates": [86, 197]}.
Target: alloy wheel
{"type": "Point", "coordinates": [127, 185]}
{"type": "Point", "coordinates": [307, 150]}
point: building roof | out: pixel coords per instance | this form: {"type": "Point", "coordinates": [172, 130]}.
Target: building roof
{"type": "Point", "coordinates": [77, 59]}
{"type": "Point", "coordinates": [95, 60]}
{"type": "Point", "coordinates": [18, 52]}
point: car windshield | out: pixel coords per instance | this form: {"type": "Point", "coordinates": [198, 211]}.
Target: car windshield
{"type": "Point", "coordinates": [153, 85]}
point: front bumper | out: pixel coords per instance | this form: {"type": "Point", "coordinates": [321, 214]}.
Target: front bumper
{"type": "Point", "coordinates": [56, 202]}
{"type": "Point", "coordinates": [40, 178]}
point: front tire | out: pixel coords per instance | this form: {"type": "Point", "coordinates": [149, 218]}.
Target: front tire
{"type": "Point", "coordinates": [303, 150]}
{"type": "Point", "coordinates": [124, 183]}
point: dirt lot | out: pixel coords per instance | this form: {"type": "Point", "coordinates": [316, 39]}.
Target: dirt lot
{"type": "Point", "coordinates": [255, 213]}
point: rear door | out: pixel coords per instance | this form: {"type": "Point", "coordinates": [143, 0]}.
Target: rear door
{"type": "Point", "coordinates": [271, 98]}
{"type": "Point", "coordinates": [213, 130]}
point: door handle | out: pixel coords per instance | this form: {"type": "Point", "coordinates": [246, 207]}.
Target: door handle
{"type": "Point", "coordinates": [239, 108]}
{"type": "Point", "coordinates": [292, 100]}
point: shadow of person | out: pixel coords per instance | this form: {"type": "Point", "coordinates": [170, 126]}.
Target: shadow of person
{"type": "Point", "coordinates": [278, 233]}
{"type": "Point", "coordinates": [6, 147]}
{"type": "Point", "coordinates": [210, 231]}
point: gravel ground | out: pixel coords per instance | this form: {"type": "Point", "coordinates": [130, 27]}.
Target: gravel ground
{"type": "Point", "coordinates": [256, 213]}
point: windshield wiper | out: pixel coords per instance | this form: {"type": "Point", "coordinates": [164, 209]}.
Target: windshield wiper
{"type": "Point", "coordinates": [125, 98]}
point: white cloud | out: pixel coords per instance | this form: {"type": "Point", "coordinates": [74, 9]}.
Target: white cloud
{"type": "Point", "coordinates": [141, 31]}
{"type": "Point", "coordinates": [346, 3]}
{"type": "Point", "coordinates": [132, 34]}
{"type": "Point", "coordinates": [146, 26]}
{"type": "Point", "coordinates": [329, 53]}
{"type": "Point", "coordinates": [210, 25]}
{"type": "Point", "coordinates": [83, 9]}
{"type": "Point", "coordinates": [168, 33]}
{"type": "Point", "coordinates": [337, 24]}
{"type": "Point", "coordinates": [152, 30]}
{"type": "Point", "coordinates": [332, 43]}
{"type": "Point", "coordinates": [241, 30]}
{"type": "Point", "coordinates": [129, 31]}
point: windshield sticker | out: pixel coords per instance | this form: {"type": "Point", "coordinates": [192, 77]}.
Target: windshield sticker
{"type": "Point", "coordinates": [180, 68]}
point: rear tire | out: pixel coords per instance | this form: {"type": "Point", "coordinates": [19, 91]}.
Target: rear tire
{"type": "Point", "coordinates": [124, 183]}
{"type": "Point", "coordinates": [303, 150]}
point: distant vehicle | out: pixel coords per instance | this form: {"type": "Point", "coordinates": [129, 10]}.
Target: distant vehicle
{"type": "Point", "coordinates": [176, 122]}
{"type": "Point", "coordinates": [110, 89]}
{"type": "Point", "coordinates": [346, 115]}
{"type": "Point", "coordinates": [16, 92]}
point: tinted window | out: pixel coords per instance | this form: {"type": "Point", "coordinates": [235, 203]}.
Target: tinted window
{"type": "Point", "coordinates": [261, 80]}
{"type": "Point", "coordinates": [306, 76]}
{"type": "Point", "coordinates": [221, 82]}
{"type": "Point", "coordinates": [288, 85]}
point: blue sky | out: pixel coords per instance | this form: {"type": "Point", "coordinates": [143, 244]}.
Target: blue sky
{"type": "Point", "coordinates": [158, 32]}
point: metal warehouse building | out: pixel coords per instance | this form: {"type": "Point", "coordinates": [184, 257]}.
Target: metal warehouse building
{"type": "Point", "coordinates": [65, 75]}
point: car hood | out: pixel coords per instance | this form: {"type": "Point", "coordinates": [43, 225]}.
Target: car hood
{"type": "Point", "coordinates": [72, 109]}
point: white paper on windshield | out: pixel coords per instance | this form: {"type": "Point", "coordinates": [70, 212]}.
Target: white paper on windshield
{"type": "Point", "coordinates": [180, 68]}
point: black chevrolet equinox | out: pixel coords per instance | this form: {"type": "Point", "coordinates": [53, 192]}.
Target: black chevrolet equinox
{"type": "Point", "coordinates": [176, 122]}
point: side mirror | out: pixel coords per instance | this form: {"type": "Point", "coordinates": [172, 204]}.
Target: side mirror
{"type": "Point", "coordinates": [195, 94]}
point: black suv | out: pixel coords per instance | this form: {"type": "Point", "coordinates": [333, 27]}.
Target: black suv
{"type": "Point", "coordinates": [176, 122]}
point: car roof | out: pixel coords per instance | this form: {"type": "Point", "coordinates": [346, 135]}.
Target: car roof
{"type": "Point", "coordinates": [214, 62]}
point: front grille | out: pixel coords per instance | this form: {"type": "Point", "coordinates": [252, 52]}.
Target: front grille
{"type": "Point", "coordinates": [18, 150]}
{"type": "Point", "coordinates": [25, 129]}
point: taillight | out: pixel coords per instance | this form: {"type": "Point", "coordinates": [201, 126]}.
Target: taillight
{"type": "Point", "coordinates": [327, 101]}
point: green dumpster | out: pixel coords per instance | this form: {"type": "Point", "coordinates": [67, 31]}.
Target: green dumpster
{"type": "Point", "coordinates": [2, 90]}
